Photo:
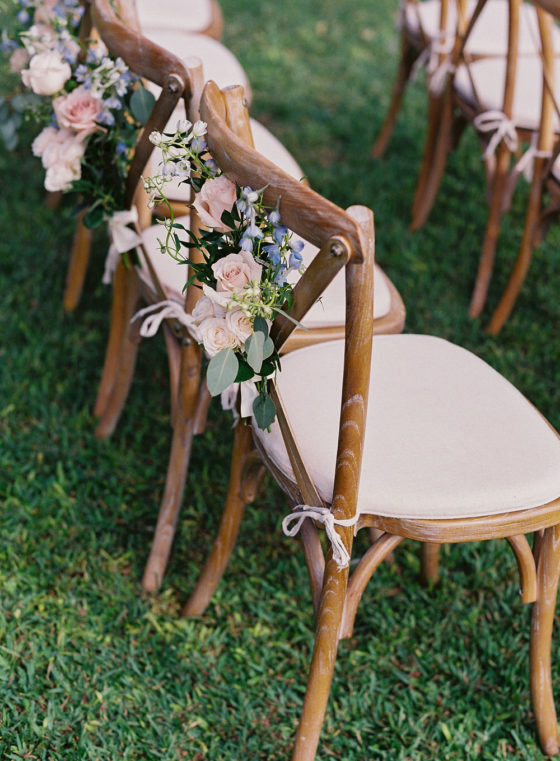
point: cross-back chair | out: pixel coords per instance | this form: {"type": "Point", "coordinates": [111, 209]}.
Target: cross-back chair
{"type": "Point", "coordinates": [222, 65]}
{"type": "Point", "coordinates": [446, 451]}
{"type": "Point", "coordinates": [500, 97]}
{"type": "Point", "coordinates": [159, 278]}
{"type": "Point", "coordinates": [545, 178]}
{"type": "Point", "coordinates": [324, 322]}
{"type": "Point", "coordinates": [428, 31]}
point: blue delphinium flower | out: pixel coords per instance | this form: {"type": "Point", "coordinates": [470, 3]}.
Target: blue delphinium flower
{"type": "Point", "coordinates": [273, 253]}
{"type": "Point", "coordinates": [106, 118]}
{"type": "Point", "coordinates": [121, 148]}
{"type": "Point", "coordinates": [23, 16]}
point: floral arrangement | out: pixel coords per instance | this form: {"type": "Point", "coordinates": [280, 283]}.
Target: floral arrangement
{"type": "Point", "coordinates": [89, 104]}
{"type": "Point", "coordinates": [246, 256]}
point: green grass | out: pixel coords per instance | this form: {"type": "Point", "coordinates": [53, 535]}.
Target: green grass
{"type": "Point", "coordinates": [92, 670]}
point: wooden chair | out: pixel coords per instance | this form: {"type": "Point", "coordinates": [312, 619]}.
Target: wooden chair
{"type": "Point", "coordinates": [428, 31]}
{"type": "Point", "coordinates": [449, 452]}
{"type": "Point", "coordinates": [546, 177]}
{"type": "Point", "coordinates": [499, 98]}
{"type": "Point", "coordinates": [158, 277]}
{"type": "Point", "coordinates": [221, 65]}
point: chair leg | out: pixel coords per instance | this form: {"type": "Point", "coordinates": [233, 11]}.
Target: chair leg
{"type": "Point", "coordinates": [486, 264]}
{"type": "Point", "coordinates": [541, 632]}
{"type": "Point", "coordinates": [117, 330]}
{"type": "Point", "coordinates": [519, 273]}
{"type": "Point", "coordinates": [77, 266]}
{"type": "Point", "coordinates": [52, 199]}
{"type": "Point", "coordinates": [229, 526]}
{"type": "Point", "coordinates": [127, 353]}
{"type": "Point", "coordinates": [429, 558]}
{"type": "Point", "coordinates": [176, 470]}
{"type": "Point", "coordinates": [408, 56]}
{"type": "Point", "coordinates": [436, 150]}
{"type": "Point", "coordinates": [322, 663]}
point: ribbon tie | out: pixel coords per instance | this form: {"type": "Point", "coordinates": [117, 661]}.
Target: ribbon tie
{"type": "Point", "coordinates": [503, 128]}
{"type": "Point", "coordinates": [248, 393]}
{"type": "Point", "coordinates": [122, 239]}
{"type": "Point", "coordinates": [321, 515]}
{"type": "Point", "coordinates": [155, 314]}
{"type": "Point", "coordinates": [526, 163]}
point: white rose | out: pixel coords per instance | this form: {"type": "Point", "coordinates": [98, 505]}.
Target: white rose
{"type": "Point", "coordinates": [216, 335]}
{"type": "Point", "coordinates": [60, 176]}
{"type": "Point", "coordinates": [203, 309]}
{"type": "Point", "coordinates": [220, 301]}
{"type": "Point", "coordinates": [239, 324]}
{"type": "Point", "coordinates": [44, 139]}
{"type": "Point", "coordinates": [235, 271]}
{"type": "Point", "coordinates": [63, 148]}
{"type": "Point", "coordinates": [47, 73]}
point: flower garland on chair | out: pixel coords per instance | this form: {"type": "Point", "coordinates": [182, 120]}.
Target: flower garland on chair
{"type": "Point", "coordinates": [247, 255]}
{"type": "Point", "coordinates": [89, 104]}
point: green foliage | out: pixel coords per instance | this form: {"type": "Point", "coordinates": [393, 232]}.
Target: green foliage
{"type": "Point", "coordinates": [222, 371]}
{"type": "Point", "coordinates": [91, 670]}
{"type": "Point", "coordinates": [141, 104]}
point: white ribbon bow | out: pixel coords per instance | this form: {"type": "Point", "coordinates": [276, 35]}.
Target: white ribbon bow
{"type": "Point", "coordinates": [526, 163]}
{"type": "Point", "coordinates": [321, 515]}
{"type": "Point", "coordinates": [122, 239]}
{"type": "Point", "coordinates": [155, 314]}
{"type": "Point", "coordinates": [440, 45]}
{"type": "Point", "coordinates": [503, 128]}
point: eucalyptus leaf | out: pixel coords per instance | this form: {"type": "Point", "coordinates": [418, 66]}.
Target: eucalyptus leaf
{"type": "Point", "coordinates": [244, 372]}
{"type": "Point", "coordinates": [264, 410]}
{"type": "Point", "coordinates": [268, 347]}
{"type": "Point", "coordinates": [222, 371]}
{"type": "Point", "coordinates": [254, 350]}
{"type": "Point", "coordinates": [94, 217]}
{"type": "Point", "coordinates": [141, 104]}
{"type": "Point", "coordinates": [260, 325]}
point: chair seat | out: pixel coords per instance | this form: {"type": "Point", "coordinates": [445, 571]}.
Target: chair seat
{"type": "Point", "coordinates": [220, 65]}
{"type": "Point", "coordinates": [490, 33]}
{"type": "Point", "coordinates": [192, 16]}
{"type": "Point", "coordinates": [447, 436]}
{"type": "Point", "coordinates": [489, 75]}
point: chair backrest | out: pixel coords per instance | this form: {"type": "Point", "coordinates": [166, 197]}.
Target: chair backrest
{"type": "Point", "coordinates": [345, 239]}
{"type": "Point", "coordinates": [147, 60]}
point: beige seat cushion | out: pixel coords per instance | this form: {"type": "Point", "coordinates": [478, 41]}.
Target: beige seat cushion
{"type": "Point", "coordinates": [219, 63]}
{"type": "Point", "coordinates": [489, 36]}
{"type": "Point", "coordinates": [447, 436]}
{"type": "Point", "coordinates": [177, 15]}
{"type": "Point", "coordinates": [489, 75]}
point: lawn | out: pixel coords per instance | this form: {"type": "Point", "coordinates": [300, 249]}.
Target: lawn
{"type": "Point", "coordinates": [93, 670]}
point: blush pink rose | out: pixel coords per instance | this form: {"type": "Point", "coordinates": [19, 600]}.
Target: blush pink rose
{"type": "Point", "coordinates": [235, 271]}
{"type": "Point", "coordinates": [78, 110]}
{"type": "Point", "coordinates": [47, 74]}
{"type": "Point", "coordinates": [47, 136]}
{"type": "Point", "coordinates": [44, 11]}
{"type": "Point", "coordinates": [216, 196]}
{"type": "Point", "coordinates": [216, 335]}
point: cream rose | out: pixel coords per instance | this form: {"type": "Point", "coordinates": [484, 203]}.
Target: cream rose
{"type": "Point", "coordinates": [47, 136]}
{"type": "Point", "coordinates": [60, 176]}
{"type": "Point", "coordinates": [239, 324]}
{"type": "Point", "coordinates": [65, 147]}
{"type": "Point", "coordinates": [19, 60]}
{"type": "Point", "coordinates": [203, 309]}
{"type": "Point", "coordinates": [78, 110]}
{"type": "Point", "coordinates": [47, 73]}
{"type": "Point", "coordinates": [216, 335]}
{"type": "Point", "coordinates": [235, 271]}
{"type": "Point", "coordinates": [44, 12]}
{"type": "Point", "coordinates": [216, 196]}
{"type": "Point", "coordinates": [220, 301]}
